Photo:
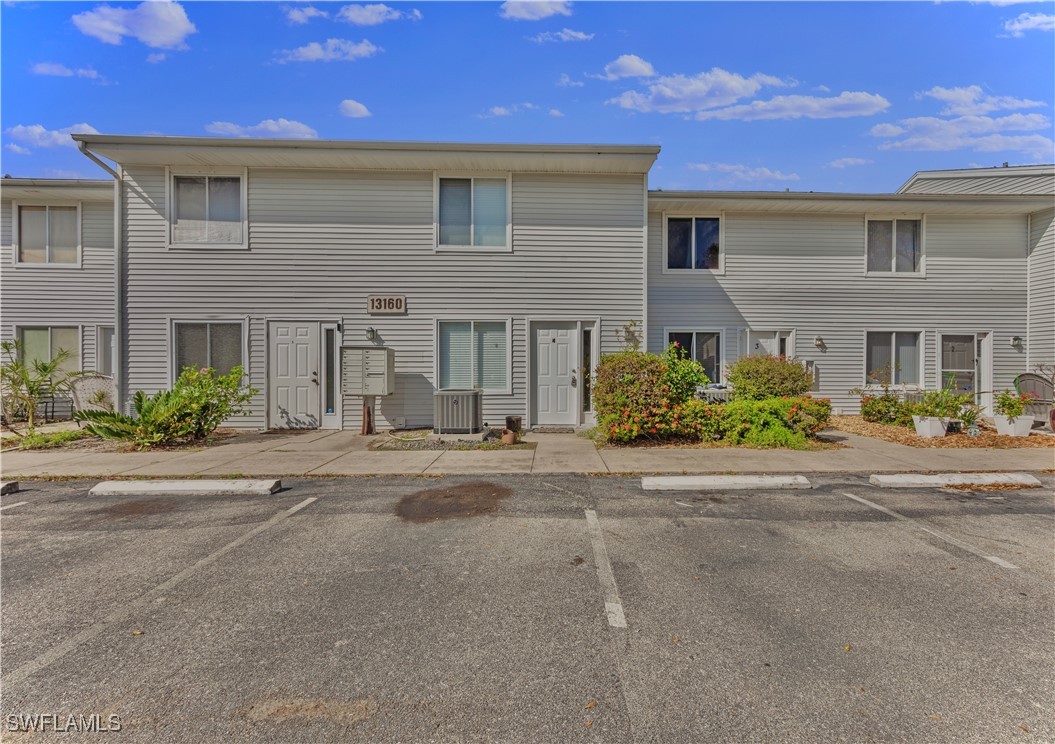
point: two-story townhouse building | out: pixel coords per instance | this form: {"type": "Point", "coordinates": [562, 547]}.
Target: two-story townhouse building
{"type": "Point", "coordinates": [926, 285]}
{"type": "Point", "coordinates": [57, 269]}
{"type": "Point", "coordinates": [508, 268]}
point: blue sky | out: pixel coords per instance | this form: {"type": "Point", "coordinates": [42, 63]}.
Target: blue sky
{"type": "Point", "coordinates": [808, 96]}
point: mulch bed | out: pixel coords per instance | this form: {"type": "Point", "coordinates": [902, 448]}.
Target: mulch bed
{"type": "Point", "coordinates": [415, 439]}
{"type": "Point", "coordinates": [902, 435]}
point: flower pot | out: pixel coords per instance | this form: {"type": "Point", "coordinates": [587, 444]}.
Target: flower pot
{"type": "Point", "coordinates": [952, 426]}
{"type": "Point", "coordinates": [929, 427]}
{"type": "Point", "coordinates": [509, 437]}
{"type": "Point", "coordinates": [1018, 426]}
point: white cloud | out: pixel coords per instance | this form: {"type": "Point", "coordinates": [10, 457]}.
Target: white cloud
{"type": "Point", "coordinates": [57, 69]}
{"type": "Point", "coordinates": [556, 112]}
{"type": "Point", "coordinates": [278, 128]}
{"type": "Point", "coordinates": [534, 10]}
{"type": "Point", "coordinates": [374, 15]}
{"type": "Point", "coordinates": [157, 23]}
{"type": "Point", "coordinates": [977, 133]}
{"type": "Point", "coordinates": [302, 14]}
{"type": "Point", "coordinates": [35, 135]}
{"type": "Point", "coordinates": [971, 100]}
{"type": "Point", "coordinates": [156, 57]}
{"type": "Point", "coordinates": [683, 94]}
{"type": "Point", "coordinates": [842, 106]}
{"type": "Point", "coordinates": [332, 50]}
{"type": "Point", "coordinates": [823, 89]}
{"type": "Point", "coordinates": [626, 65]}
{"type": "Point", "coordinates": [565, 81]}
{"type": "Point", "coordinates": [741, 172]}
{"type": "Point", "coordinates": [499, 111]}
{"type": "Point", "coordinates": [353, 109]}
{"type": "Point", "coordinates": [17, 149]}
{"type": "Point", "coordinates": [849, 162]}
{"type": "Point", "coordinates": [1030, 22]}
{"type": "Point", "coordinates": [565, 34]}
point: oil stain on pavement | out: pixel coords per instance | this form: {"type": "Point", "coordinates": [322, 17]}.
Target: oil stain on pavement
{"type": "Point", "coordinates": [464, 500]}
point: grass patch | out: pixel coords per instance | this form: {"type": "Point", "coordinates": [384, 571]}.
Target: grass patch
{"type": "Point", "coordinates": [47, 440]}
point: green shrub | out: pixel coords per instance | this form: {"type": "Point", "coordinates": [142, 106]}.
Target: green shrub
{"type": "Point", "coordinates": [886, 408]}
{"type": "Point", "coordinates": [776, 422]}
{"type": "Point", "coordinates": [1010, 404]}
{"type": "Point", "coordinates": [196, 405]}
{"type": "Point", "coordinates": [759, 377]}
{"type": "Point", "coordinates": [25, 383]}
{"type": "Point", "coordinates": [638, 395]}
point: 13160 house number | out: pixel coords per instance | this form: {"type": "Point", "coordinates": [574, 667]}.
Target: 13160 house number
{"type": "Point", "coordinates": [386, 304]}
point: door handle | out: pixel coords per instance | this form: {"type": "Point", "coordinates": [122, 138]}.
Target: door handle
{"type": "Point", "coordinates": [574, 381]}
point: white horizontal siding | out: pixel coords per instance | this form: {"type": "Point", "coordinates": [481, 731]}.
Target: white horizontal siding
{"type": "Point", "coordinates": [321, 241]}
{"type": "Point", "coordinates": [60, 296]}
{"type": "Point", "coordinates": [995, 184]}
{"type": "Point", "coordinates": [1042, 288]}
{"type": "Point", "coordinates": [806, 273]}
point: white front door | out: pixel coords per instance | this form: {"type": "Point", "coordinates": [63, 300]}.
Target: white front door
{"type": "Point", "coordinates": [293, 375]}
{"type": "Point", "coordinates": [556, 378]}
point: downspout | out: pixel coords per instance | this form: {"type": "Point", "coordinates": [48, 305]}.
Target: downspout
{"type": "Point", "coordinates": [119, 332]}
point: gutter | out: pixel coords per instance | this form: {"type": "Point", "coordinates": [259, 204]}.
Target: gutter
{"type": "Point", "coordinates": [119, 331]}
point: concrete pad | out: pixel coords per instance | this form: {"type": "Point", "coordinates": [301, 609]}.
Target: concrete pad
{"type": "Point", "coordinates": [187, 488]}
{"type": "Point", "coordinates": [406, 462]}
{"type": "Point", "coordinates": [7, 487]}
{"type": "Point", "coordinates": [486, 461]}
{"type": "Point", "coordinates": [916, 480]}
{"type": "Point", "coordinates": [723, 482]}
{"type": "Point", "coordinates": [565, 453]}
{"type": "Point", "coordinates": [334, 441]}
{"type": "Point", "coordinates": [272, 463]}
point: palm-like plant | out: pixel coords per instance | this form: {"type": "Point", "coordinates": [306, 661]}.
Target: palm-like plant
{"type": "Point", "coordinates": [24, 384]}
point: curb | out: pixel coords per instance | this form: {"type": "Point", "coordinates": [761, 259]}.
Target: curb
{"type": "Point", "coordinates": [723, 482]}
{"type": "Point", "coordinates": [7, 487]}
{"type": "Point", "coordinates": [916, 480]}
{"type": "Point", "coordinates": [187, 488]}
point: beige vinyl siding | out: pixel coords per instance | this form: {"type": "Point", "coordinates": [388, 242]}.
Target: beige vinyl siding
{"type": "Point", "coordinates": [1040, 183]}
{"type": "Point", "coordinates": [1041, 336]}
{"type": "Point", "coordinates": [62, 296]}
{"type": "Point", "coordinates": [321, 241]}
{"type": "Point", "coordinates": [806, 273]}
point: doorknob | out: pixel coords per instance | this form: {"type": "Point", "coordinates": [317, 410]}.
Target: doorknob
{"type": "Point", "coordinates": [574, 381]}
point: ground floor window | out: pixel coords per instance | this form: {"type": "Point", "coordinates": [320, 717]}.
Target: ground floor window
{"type": "Point", "coordinates": [215, 344]}
{"type": "Point", "coordinates": [45, 343]}
{"type": "Point", "coordinates": [473, 354]}
{"type": "Point", "coordinates": [703, 346]}
{"type": "Point", "coordinates": [892, 357]}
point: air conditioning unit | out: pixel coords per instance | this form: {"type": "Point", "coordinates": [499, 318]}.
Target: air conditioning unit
{"type": "Point", "coordinates": [457, 412]}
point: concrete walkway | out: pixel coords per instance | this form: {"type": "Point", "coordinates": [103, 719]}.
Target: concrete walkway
{"type": "Point", "coordinates": [346, 453]}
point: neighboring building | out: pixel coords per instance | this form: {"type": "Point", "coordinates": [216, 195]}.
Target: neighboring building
{"type": "Point", "coordinates": [1040, 290]}
{"type": "Point", "coordinates": [57, 273]}
{"type": "Point", "coordinates": [507, 267]}
{"type": "Point", "coordinates": [930, 284]}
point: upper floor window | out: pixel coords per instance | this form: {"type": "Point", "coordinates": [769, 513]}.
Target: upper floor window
{"type": "Point", "coordinates": [48, 235]}
{"type": "Point", "coordinates": [207, 210]}
{"type": "Point", "coordinates": [694, 243]}
{"type": "Point", "coordinates": [474, 212]}
{"type": "Point", "coordinates": [895, 245]}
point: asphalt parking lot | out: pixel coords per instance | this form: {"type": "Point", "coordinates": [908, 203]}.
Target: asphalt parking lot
{"type": "Point", "coordinates": [532, 609]}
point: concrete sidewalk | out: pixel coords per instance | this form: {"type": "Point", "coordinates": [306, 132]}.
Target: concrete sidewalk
{"type": "Point", "coordinates": [345, 453]}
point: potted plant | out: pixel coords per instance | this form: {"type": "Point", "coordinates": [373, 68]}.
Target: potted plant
{"type": "Point", "coordinates": [927, 422]}
{"type": "Point", "coordinates": [969, 414]}
{"type": "Point", "coordinates": [932, 415]}
{"type": "Point", "coordinates": [1011, 419]}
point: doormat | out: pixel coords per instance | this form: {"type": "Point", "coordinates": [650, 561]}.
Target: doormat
{"type": "Point", "coordinates": [554, 430]}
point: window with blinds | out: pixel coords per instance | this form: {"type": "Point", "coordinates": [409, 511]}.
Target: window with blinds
{"type": "Point", "coordinates": [48, 235]}
{"type": "Point", "coordinates": [473, 212]}
{"type": "Point", "coordinates": [216, 345]}
{"type": "Point", "coordinates": [474, 354]}
{"type": "Point", "coordinates": [207, 210]}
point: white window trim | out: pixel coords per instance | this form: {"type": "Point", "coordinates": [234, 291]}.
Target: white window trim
{"type": "Point", "coordinates": [173, 371]}
{"type": "Point", "coordinates": [508, 390]}
{"type": "Point", "coordinates": [720, 216]}
{"type": "Point", "coordinates": [922, 273]}
{"type": "Point", "coordinates": [113, 350]}
{"type": "Point", "coordinates": [170, 203]}
{"type": "Point", "coordinates": [723, 363]}
{"type": "Point", "coordinates": [35, 326]}
{"type": "Point", "coordinates": [438, 247]}
{"type": "Point", "coordinates": [15, 238]}
{"type": "Point", "coordinates": [922, 346]}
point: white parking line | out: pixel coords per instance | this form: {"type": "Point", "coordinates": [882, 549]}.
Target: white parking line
{"type": "Point", "coordinates": [935, 533]}
{"type": "Point", "coordinates": [57, 652]}
{"type": "Point", "coordinates": [613, 606]}
{"type": "Point", "coordinates": [12, 506]}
